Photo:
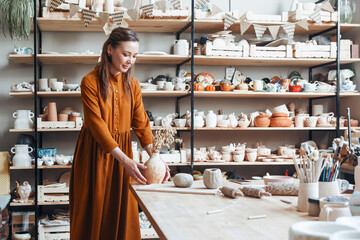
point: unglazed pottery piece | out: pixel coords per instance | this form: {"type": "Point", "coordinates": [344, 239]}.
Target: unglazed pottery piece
{"type": "Point", "coordinates": [183, 180]}
{"type": "Point", "coordinates": [212, 178]}
{"type": "Point", "coordinates": [23, 190]}
{"type": "Point", "coordinates": [155, 170]}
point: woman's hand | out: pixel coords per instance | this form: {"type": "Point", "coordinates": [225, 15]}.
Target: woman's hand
{"type": "Point", "coordinates": [132, 168]}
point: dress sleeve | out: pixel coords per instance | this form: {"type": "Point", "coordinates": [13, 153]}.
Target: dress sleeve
{"type": "Point", "coordinates": [92, 116]}
{"type": "Point", "coordinates": [140, 122]}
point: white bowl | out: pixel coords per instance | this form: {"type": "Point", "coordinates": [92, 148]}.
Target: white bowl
{"type": "Point", "coordinates": [346, 235]}
{"type": "Point", "coordinates": [312, 230]}
{"type": "Point", "coordinates": [353, 221]}
{"type": "Point", "coordinates": [71, 86]}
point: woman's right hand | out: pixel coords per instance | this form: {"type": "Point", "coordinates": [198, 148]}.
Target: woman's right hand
{"type": "Point", "coordinates": [133, 169]}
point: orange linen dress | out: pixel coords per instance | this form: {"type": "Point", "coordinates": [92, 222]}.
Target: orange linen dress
{"type": "Point", "coordinates": [101, 204]}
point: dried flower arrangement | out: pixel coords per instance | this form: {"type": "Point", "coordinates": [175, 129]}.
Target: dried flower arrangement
{"type": "Point", "coordinates": [165, 136]}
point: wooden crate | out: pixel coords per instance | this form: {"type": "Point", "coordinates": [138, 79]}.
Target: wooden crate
{"type": "Point", "coordinates": [23, 221]}
{"type": "Point", "coordinates": [54, 232]}
{"type": "Point", "coordinates": [57, 124]}
{"type": "Point", "coordinates": [301, 50]}
{"type": "Point", "coordinates": [251, 17]}
{"type": "Point", "coordinates": [326, 16]}
{"type": "Point", "coordinates": [284, 51]}
{"type": "Point", "coordinates": [53, 193]}
{"type": "Point", "coordinates": [168, 14]}
{"type": "Point", "coordinates": [235, 50]}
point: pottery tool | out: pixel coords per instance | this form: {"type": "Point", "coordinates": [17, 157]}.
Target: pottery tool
{"type": "Point", "coordinates": [256, 217]}
{"type": "Point", "coordinates": [214, 211]}
{"type": "Point", "coordinates": [255, 192]}
{"type": "Point", "coordinates": [282, 189]}
{"type": "Point", "coordinates": [231, 192]}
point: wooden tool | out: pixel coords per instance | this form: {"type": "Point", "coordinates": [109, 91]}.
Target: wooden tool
{"type": "Point", "coordinates": [231, 192]}
{"type": "Point", "coordinates": [255, 192]}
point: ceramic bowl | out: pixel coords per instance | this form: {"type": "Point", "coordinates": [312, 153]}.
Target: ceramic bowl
{"type": "Point", "coordinates": [251, 156]}
{"type": "Point", "coordinates": [180, 122]}
{"type": "Point", "coordinates": [71, 86]}
{"type": "Point", "coordinates": [346, 235]}
{"type": "Point", "coordinates": [333, 200]}
{"type": "Point", "coordinates": [324, 88]}
{"type": "Point", "coordinates": [239, 157]}
{"type": "Point", "coordinates": [295, 88]}
{"type": "Point", "coordinates": [148, 86]}
{"type": "Point", "coordinates": [50, 152]}
{"type": "Point", "coordinates": [57, 86]}
{"type": "Point", "coordinates": [311, 230]}
{"type": "Point", "coordinates": [278, 178]}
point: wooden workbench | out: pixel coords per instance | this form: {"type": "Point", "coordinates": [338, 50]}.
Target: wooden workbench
{"type": "Point", "coordinates": [184, 216]}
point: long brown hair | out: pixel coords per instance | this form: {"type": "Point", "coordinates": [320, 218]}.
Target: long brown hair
{"type": "Point", "coordinates": [117, 36]}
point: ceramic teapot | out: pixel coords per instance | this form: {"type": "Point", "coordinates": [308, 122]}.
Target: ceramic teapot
{"type": "Point", "coordinates": [23, 190]}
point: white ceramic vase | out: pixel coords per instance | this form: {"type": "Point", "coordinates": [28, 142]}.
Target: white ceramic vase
{"type": "Point", "coordinates": [306, 190]}
{"type": "Point", "coordinates": [21, 157]}
{"type": "Point", "coordinates": [23, 119]}
{"type": "Point", "coordinates": [155, 170]}
{"type": "Point", "coordinates": [212, 178]}
{"type": "Point", "coordinates": [211, 119]}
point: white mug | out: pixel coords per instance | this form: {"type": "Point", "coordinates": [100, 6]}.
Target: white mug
{"type": "Point", "coordinates": [168, 86]}
{"type": "Point", "coordinates": [158, 121]}
{"type": "Point", "coordinates": [258, 85]}
{"type": "Point", "coordinates": [161, 84]}
{"type": "Point", "coordinates": [181, 47]}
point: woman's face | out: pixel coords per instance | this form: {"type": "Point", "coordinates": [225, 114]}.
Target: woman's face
{"type": "Point", "coordinates": [124, 55]}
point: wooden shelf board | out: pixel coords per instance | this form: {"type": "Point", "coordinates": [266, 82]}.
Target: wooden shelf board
{"type": "Point", "coordinates": [141, 25]}
{"type": "Point", "coordinates": [265, 62]}
{"type": "Point", "coordinates": [15, 204]}
{"type": "Point", "coordinates": [52, 203]}
{"type": "Point", "coordinates": [245, 163]}
{"type": "Point", "coordinates": [171, 26]}
{"type": "Point", "coordinates": [251, 94]}
{"type": "Point", "coordinates": [198, 94]}
{"type": "Point", "coordinates": [20, 130]}
{"type": "Point", "coordinates": [93, 59]}
{"type": "Point", "coordinates": [46, 130]}
{"type": "Point", "coordinates": [42, 167]}
{"type": "Point", "coordinates": [211, 26]}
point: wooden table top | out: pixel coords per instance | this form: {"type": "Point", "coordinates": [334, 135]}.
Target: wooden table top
{"type": "Point", "coordinates": [184, 216]}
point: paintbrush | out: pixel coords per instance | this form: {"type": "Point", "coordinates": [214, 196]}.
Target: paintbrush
{"type": "Point", "coordinates": [297, 168]}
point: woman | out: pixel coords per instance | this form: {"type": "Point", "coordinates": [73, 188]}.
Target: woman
{"type": "Point", "coordinates": [101, 204]}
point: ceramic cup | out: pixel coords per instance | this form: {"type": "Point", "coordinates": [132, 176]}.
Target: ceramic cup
{"type": "Point", "coordinates": [258, 85]}
{"type": "Point", "coordinates": [57, 86]}
{"type": "Point", "coordinates": [327, 189]}
{"type": "Point", "coordinates": [306, 190]}
{"type": "Point", "coordinates": [43, 84]}
{"type": "Point", "coordinates": [161, 84]}
{"type": "Point", "coordinates": [310, 87]}
{"type": "Point", "coordinates": [311, 121]}
{"type": "Point", "coordinates": [300, 119]}
{"type": "Point", "coordinates": [251, 154]}
{"type": "Point", "coordinates": [180, 122]}
{"type": "Point", "coordinates": [332, 211]}
{"type": "Point", "coordinates": [158, 121]}
{"type": "Point", "coordinates": [169, 86]}
{"type": "Point", "coordinates": [63, 117]}
{"type": "Point", "coordinates": [317, 109]}
{"type": "Point", "coordinates": [239, 156]}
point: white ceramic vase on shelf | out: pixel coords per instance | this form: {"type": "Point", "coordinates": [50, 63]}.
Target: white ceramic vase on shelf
{"type": "Point", "coordinates": [23, 119]}
{"type": "Point", "coordinates": [211, 119]}
{"type": "Point", "coordinates": [155, 170]}
{"type": "Point", "coordinates": [21, 157]}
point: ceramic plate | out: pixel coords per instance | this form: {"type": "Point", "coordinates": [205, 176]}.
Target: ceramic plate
{"type": "Point", "coordinates": [205, 78]}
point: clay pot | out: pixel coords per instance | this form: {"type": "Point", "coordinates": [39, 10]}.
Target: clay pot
{"type": "Point", "coordinates": [353, 123]}
{"type": "Point", "coordinates": [155, 170]}
{"type": "Point", "coordinates": [225, 87]}
{"type": "Point", "coordinates": [183, 180]}
{"type": "Point", "coordinates": [262, 121]}
{"type": "Point", "coordinates": [212, 178]}
{"type": "Point", "coordinates": [280, 120]}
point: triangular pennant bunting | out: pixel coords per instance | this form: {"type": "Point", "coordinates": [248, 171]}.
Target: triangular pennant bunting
{"type": "Point", "coordinates": [55, 3]}
{"type": "Point", "coordinates": [117, 17]}
{"type": "Point", "coordinates": [244, 25]}
{"type": "Point", "coordinates": [73, 9]}
{"type": "Point", "coordinates": [274, 30]}
{"type": "Point", "coordinates": [199, 3]}
{"type": "Point", "coordinates": [104, 17]}
{"type": "Point", "coordinates": [88, 16]}
{"type": "Point", "coordinates": [303, 23]}
{"type": "Point", "coordinates": [316, 16]}
{"type": "Point", "coordinates": [148, 9]}
{"type": "Point", "coordinates": [133, 13]}
{"type": "Point", "coordinates": [289, 29]}
{"type": "Point", "coordinates": [161, 5]}
{"type": "Point", "coordinates": [327, 6]}
{"type": "Point", "coordinates": [108, 28]}
{"type": "Point", "coordinates": [259, 30]}
{"type": "Point", "coordinates": [124, 24]}
{"type": "Point", "coordinates": [215, 10]}
{"type": "Point", "coordinates": [176, 4]}
{"type": "Point", "coordinates": [229, 20]}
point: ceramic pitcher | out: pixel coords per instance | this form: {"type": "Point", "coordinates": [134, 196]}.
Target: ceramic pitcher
{"type": "Point", "coordinates": [181, 47]}
{"type": "Point", "coordinates": [21, 157]}
{"type": "Point", "coordinates": [23, 119]}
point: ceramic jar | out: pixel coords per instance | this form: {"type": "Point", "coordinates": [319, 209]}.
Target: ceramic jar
{"type": "Point", "coordinates": [239, 156]}
{"type": "Point", "coordinates": [225, 85]}
{"type": "Point", "coordinates": [52, 111]}
{"type": "Point", "coordinates": [280, 120]}
{"type": "Point", "coordinates": [211, 119]}
{"type": "Point", "coordinates": [306, 191]}
{"type": "Point", "coordinates": [23, 119]}
{"type": "Point", "coordinates": [262, 121]}
{"type": "Point", "coordinates": [21, 157]}
{"type": "Point", "coordinates": [181, 47]}
{"type": "Point", "coordinates": [155, 170]}
{"type": "Point", "coordinates": [311, 121]}
{"type": "Point", "coordinates": [212, 178]}
{"type": "Point", "coordinates": [251, 154]}
{"type": "Point", "coordinates": [226, 156]}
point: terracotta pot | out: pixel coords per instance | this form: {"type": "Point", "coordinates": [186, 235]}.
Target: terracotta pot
{"type": "Point", "coordinates": [155, 170]}
{"type": "Point", "coordinates": [353, 123]}
{"type": "Point", "coordinates": [212, 178]}
{"type": "Point", "coordinates": [280, 120]}
{"type": "Point", "coordinates": [262, 121]}
{"type": "Point", "coordinates": [295, 88]}
{"type": "Point", "coordinates": [225, 87]}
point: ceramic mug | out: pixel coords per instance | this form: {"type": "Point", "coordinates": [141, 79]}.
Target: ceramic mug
{"type": "Point", "coordinates": [285, 84]}
{"type": "Point", "coordinates": [63, 117]}
{"type": "Point", "coordinates": [333, 211]}
{"type": "Point", "coordinates": [324, 120]}
{"type": "Point", "coordinates": [51, 81]}
{"type": "Point", "coordinates": [258, 85]}
{"type": "Point", "coordinates": [182, 86]}
{"type": "Point", "coordinates": [43, 84]}
{"type": "Point", "coordinates": [168, 86]}
{"type": "Point", "coordinates": [158, 121]}
{"type": "Point", "coordinates": [161, 84]}
{"type": "Point", "coordinates": [306, 191]}
{"type": "Point", "coordinates": [166, 122]}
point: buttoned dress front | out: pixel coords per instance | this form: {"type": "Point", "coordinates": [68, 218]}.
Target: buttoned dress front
{"type": "Point", "coordinates": [101, 204]}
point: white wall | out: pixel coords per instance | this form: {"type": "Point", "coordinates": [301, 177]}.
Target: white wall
{"type": "Point", "coordinates": [80, 41]}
